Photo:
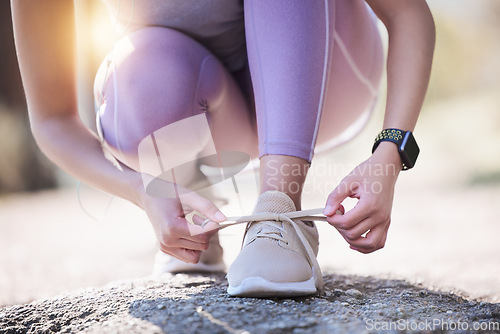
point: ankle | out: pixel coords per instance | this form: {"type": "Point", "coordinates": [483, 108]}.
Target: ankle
{"type": "Point", "coordinates": [284, 173]}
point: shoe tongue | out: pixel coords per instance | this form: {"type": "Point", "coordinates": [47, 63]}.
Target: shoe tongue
{"type": "Point", "coordinates": [274, 201]}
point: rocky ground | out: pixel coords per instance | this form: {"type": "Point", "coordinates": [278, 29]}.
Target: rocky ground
{"type": "Point", "coordinates": [199, 304]}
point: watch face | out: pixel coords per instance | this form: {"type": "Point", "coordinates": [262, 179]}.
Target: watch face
{"type": "Point", "coordinates": [409, 150]}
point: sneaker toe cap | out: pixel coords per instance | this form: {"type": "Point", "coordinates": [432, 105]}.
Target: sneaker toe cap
{"type": "Point", "coordinates": [266, 259]}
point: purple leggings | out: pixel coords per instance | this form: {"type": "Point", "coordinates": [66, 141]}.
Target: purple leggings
{"type": "Point", "coordinates": [315, 69]}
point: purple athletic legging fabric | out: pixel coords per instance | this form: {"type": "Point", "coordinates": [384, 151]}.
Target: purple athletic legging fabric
{"type": "Point", "coordinates": [315, 68]}
{"type": "Point", "coordinates": [291, 49]}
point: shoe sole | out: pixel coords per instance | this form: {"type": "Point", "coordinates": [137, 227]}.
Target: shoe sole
{"type": "Point", "coordinates": [259, 287]}
{"type": "Point", "coordinates": [181, 267]}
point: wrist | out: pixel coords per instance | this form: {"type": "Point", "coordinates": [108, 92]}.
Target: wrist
{"type": "Point", "coordinates": [144, 191]}
{"type": "Point", "coordinates": [406, 145]}
{"type": "Point", "coordinates": [387, 153]}
{"type": "Point", "coordinates": [137, 189]}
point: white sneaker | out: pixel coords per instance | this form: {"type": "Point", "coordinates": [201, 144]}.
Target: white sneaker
{"type": "Point", "coordinates": [273, 260]}
{"type": "Point", "coordinates": [210, 261]}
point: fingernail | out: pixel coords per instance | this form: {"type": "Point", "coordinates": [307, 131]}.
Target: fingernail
{"type": "Point", "coordinates": [328, 210]}
{"type": "Point", "coordinates": [220, 216]}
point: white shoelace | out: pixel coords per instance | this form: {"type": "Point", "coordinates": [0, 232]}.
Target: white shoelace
{"type": "Point", "coordinates": [305, 215]}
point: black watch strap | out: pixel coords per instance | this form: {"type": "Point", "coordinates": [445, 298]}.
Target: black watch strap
{"type": "Point", "coordinates": [392, 135]}
{"type": "Point", "coordinates": [407, 146]}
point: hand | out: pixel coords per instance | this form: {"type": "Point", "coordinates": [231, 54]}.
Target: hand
{"type": "Point", "coordinates": [176, 236]}
{"type": "Point", "coordinates": [372, 183]}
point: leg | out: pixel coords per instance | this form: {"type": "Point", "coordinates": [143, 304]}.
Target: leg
{"type": "Point", "coordinates": [159, 77]}
{"type": "Point", "coordinates": [298, 74]}
{"type": "Point", "coordinates": [310, 61]}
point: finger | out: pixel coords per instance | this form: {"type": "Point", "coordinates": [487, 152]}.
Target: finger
{"type": "Point", "coordinates": [203, 206]}
{"type": "Point", "coordinates": [339, 194]}
{"type": "Point", "coordinates": [370, 242]}
{"type": "Point", "coordinates": [377, 234]}
{"type": "Point", "coordinates": [361, 211]}
{"type": "Point", "coordinates": [209, 229]}
{"type": "Point", "coordinates": [206, 225]}
{"type": "Point", "coordinates": [384, 236]}
{"type": "Point", "coordinates": [357, 231]}
{"type": "Point", "coordinates": [175, 241]}
{"type": "Point", "coordinates": [182, 229]}
{"type": "Point", "coordinates": [189, 244]}
{"type": "Point", "coordinates": [187, 210]}
{"type": "Point", "coordinates": [185, 255]}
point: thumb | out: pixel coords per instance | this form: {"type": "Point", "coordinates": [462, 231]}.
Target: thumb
{"type": "Point", "coordinates": [336, 197]}
{"type": "Point", "coordinates": [203, 206]}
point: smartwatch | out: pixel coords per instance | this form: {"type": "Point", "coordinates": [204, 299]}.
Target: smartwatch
{"type": "Point", "coordinates": [407, 146]}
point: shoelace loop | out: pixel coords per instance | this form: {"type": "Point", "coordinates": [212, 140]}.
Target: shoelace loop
{"type": "Point", "coordinates": [313, 214]}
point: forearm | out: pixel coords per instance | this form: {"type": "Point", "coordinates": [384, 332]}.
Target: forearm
{"type": "Point", "coordinates": [70, 145]}
{"type": "Point", "coordinates": [45, 41]}
{"type": "Point", "coordinates": [411, 48]}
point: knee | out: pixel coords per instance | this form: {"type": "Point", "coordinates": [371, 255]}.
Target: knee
{"type": "Point", "coordinates": [158, 77]}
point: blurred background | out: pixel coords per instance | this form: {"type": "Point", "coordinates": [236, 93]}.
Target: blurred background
{"type": "Point", "coordinates": [446, 219]}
